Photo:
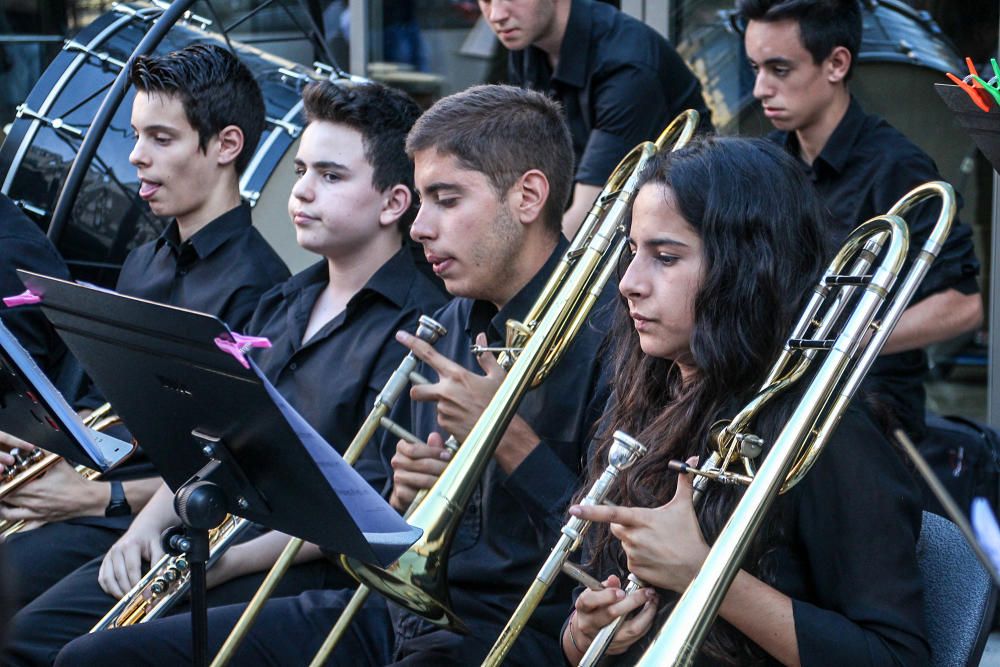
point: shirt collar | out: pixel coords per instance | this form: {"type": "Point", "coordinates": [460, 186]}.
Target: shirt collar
{"type": "Point", "coordinates": [392, 280]}
{"type": "Point", "coordinates": [840, 145]}
{"type": "Point", "coordinates": [208, 239]}
{"type": "Point", "coordinates": [572, 66]}
{"type": "Point", "coordinates": [517, 307]}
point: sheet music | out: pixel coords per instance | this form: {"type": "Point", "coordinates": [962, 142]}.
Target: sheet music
{"type": "Point", "coordinates": [383, 527]}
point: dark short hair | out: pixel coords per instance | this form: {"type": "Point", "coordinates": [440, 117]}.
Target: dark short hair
{"type": "Point", "coordinates": [823, 24]}
{"type": "Point", "coordinates": [502, 132]}
{"type": "Point", "coordinates": [383, 116]}
{"type": "Point", "coordinates": [214, 87]}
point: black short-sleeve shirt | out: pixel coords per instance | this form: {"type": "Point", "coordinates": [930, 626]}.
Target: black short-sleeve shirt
{"type": "Point", "coordinates": [619, 81]}
{"type": "Point", "coordinates": [865, 168]}
{"type": "Point", "coordinates": [223, 269]}
{"type": "Point", "coordinates": [332, 379]}
{"type": "Point", "coordinates": [24, 246]}
{"type": "Point", "coordinates": [512, 521]}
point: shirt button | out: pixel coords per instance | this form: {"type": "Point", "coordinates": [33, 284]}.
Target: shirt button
{"type": "Point", "coordinates": [293, 366]}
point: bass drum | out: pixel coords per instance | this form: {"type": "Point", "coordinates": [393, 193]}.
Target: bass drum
{"type": "Point", "coordinates": [108, 218]}
{"type": "Point", "coordinates": [903, 53]}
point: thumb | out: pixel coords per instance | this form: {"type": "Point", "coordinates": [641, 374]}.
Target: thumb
{"type": "Point", "coordinates": [435, 440]}
{"type": "Point", "coordinates": [486, 359]}
{"type": "Point", "coordinates": [685, 488]}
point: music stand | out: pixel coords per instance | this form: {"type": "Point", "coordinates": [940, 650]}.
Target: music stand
{"type": "Point", "coordinates": [222, 437]}
{"type": "Point", "coordinates": [983, 127]}
{"type": "Point", "coordinates": [32, 409]}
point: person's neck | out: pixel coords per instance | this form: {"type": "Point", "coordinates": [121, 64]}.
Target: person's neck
{"type": "Point", "coordinates": [221, 200]}
{"type": "Point", "coordinates": [813, 139]}
{"type": "Point", "coordinates": [351, 270]}
{"type": "Point", "coordinates": [535, 253]}
{"type": "Point", "coordinates": [551, 42]}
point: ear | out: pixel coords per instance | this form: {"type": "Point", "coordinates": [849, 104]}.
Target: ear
{"type": "Point", "coordinates": [530, 193]}
{"type": "Point", "coordinates": [396, 201]}
{"type": "Point", "coordinates": [837, 64]}
{"type": "Point", "coordinates": [230, 144]}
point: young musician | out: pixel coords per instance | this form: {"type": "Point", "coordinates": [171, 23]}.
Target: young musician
{"type": "Point", "coordinates": [492, 166]}
{"type": "Point", "coordinates": [331, 328]}
{"type": "Point", "coordinates": [804, 54]}
{"type": "Point", "coordinates": [832, 578]}
{"type": "Point", "coordinates": [197, 116]}
{"type": "Point", "coordinates": [619, 81]}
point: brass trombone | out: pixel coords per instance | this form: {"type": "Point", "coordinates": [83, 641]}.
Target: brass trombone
{"type": "Point", "coordinates": [818, 412]}
{"type": "Point", "coordinates": [417, 580]}
{"type": "Point", "coordinates": [427, 330]}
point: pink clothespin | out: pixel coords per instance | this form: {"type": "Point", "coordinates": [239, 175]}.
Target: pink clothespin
{"type": "Point", "coordinates": [240, 345]}
{"type": "Point", "coordinates": [25, 298]}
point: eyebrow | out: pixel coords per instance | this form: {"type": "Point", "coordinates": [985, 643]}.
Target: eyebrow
{"type": "Point", "coordinates": [777, 60]}
{"type": "Point", "coordinates": [322, 164]}
{"type": "Point", "coordinates": [157, 128]}
{"type": "Point", "coordinates": [664, 241]}
{"type": "Point", "coordinates": [434, 188]}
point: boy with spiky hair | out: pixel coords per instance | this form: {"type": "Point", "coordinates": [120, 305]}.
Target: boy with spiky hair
{"type": "Point", "coordinates": [197, 116]}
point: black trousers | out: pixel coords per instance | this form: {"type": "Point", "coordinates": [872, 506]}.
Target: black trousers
{"type": "Point", "coordinates": [290, 630]}
{"type": "Point", "coordinates": [71, 607]}
{"type": "Point", "coordinates": [38, 559]}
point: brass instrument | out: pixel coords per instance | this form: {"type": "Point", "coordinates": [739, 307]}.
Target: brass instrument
{"type": "Point", "coordinates": [29, 466]}
{"type": "Point", "coordinates": [429, 331]}
{"type": "Point", "coordinates": [623, 453]}
{"type": "Point", "coordinates": [417, 580]}
{"type": "Point", "coordinates": [818, 412]}
{"type": "Point", "coordinates": [168, 580]}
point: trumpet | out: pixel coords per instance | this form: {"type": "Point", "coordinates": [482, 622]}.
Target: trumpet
{"type": "Point", "coordinates": [417, 580]}
{"type": "Point", "coordinates": [168, 580]}
{"type": "Point", "coordinates": [405, 374]}
{"type": "Point", "coordinates": [29, 466]}
{"type": "Point", "coordinates": [817, 414]}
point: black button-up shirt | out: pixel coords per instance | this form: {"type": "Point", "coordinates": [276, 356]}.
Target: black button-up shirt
{"type": "Point", "coordinates": [223, 269]}
{"type": "Point", "coordinates": [865, 168]}
{"type": "Point", "coordinates": [619, 81]}
{"type": "Point", "coordinates": [24, 246]}
{"type": "Point", "coordinates": [332, 379]}
{"type": "Point", "coordinates": [512, 521]}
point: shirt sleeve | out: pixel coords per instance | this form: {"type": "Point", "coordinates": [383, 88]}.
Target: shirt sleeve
{"type": "Point", "coordinates": [627, 108]}
{"type": "Point", "coordinates": [857, 521]}
{"type": "Point", "coordinates": [956, 266]}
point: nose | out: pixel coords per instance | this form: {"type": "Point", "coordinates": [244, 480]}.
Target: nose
{"type": "Point", "coordinates": [762, 88]}
{"type": "Point", "coordinates": [495, 11]}
{"type": "Point", "coordinates": [302, 188]}
{"type": "Point", "coordinates": [137, 157]}
{"type": "Point", "coordinates": [422, 229]}
{"type": "Point", "coordinates": [633, 284]}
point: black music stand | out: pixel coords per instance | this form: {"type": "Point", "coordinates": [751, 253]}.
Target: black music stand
{"type": "Point", "coordinates": [222, 437]}
{"type": "Point", "coordinates": [32, 409]}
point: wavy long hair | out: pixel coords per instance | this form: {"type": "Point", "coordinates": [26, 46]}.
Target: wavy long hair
{"type": "Point", "coordinates": [763, 247]}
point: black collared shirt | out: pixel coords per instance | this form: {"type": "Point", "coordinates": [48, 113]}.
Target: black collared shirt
{"type": "Point", "coordinates": [223, 269]}
{"type": "Point", "coordinates": [512, 521]}
{"type": "Point", "coordinates": [24, 246]}
{"type": "Point", "coordinates": [619, 81]}
{"type": "Point", "coordinates": [865, 168]}
{"type": "Point", "coordinates": [333, 378]}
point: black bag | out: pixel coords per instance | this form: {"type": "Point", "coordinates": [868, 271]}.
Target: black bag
{"type": "Point", "coordinates": [965, 455]}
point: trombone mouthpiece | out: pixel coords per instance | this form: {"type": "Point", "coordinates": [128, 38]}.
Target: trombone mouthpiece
{"type": "Point", "coordinates": [429, 329]}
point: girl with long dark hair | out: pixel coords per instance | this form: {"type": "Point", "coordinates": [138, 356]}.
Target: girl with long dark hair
{"type": "Point", "coordinates": [726, 242]}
